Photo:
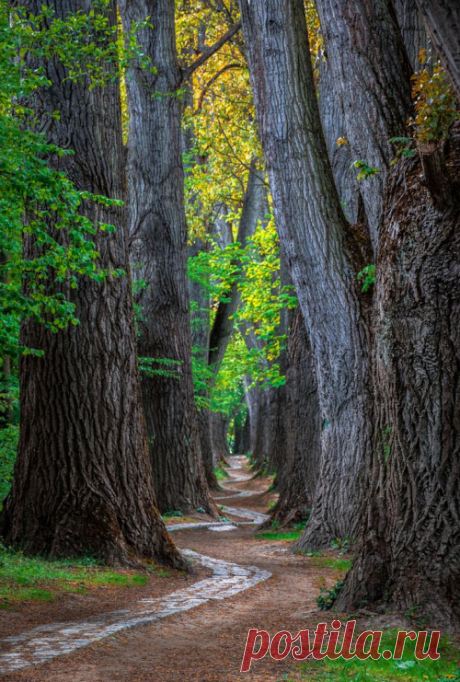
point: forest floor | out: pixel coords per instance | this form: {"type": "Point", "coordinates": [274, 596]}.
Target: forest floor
{"type": "Point", "coordinates": [206, 643]}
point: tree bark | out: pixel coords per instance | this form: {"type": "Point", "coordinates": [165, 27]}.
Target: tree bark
{"type": "Point", "coordinates": [442, 18]}
{"type": "Point", "coordinates": [219, 426]}
{"type": "Point", "coordinates": [82, 481]}
{"type": "Point", "coordinates": [303, 426]}
{"type": "Point", "coordinates": [321, 250]}
{"type": "Point", "coordinates": [371, 73]}
{"type": "Point", "coordinates": [410, 551]}
{"type": "Point", "coordinates": [331, 113]}
{"type": "Point", "coordinates": [246, 437]}
{"type": "Point", "coordinates": [158, 236]}
{"type": "Point", "coordinates": [413, 30]}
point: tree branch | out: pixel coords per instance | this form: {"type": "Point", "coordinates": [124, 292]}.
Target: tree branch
{"type": "Point", "coordinates": [209, 52]}
{"type": "Point", "coordinates": [211, 82]}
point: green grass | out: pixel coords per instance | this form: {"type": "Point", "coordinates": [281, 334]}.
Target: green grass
{"type": "Point", "coordinates": [331, 562]}
{"type": "Point", "coordinates": [172, 515]}
{"type": "Point", "coordinates": [221, 474]}
{"type": "Point", "coordinates": [445, 669]}
{"type": "Point", "coordinates": [32, 578]}
{"type": "Point", "coordinates": [274, 535]}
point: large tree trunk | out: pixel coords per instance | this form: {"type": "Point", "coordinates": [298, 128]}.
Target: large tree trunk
{"type": "Point", "coordinates": [413, 30]}
{"type": "Point", "coordinates": [410, 552]}
{"type": "Point", "coordinates": [320, 248]}
{"type": "Point", "coordinates": [442, 18]}
{"type": "Point", "coordinates": [370, 73]}
{"type": "Point", "coordinates": [331, 113]}
{"type": "Point", "coordinates": [159, 249]}
{"type": "Point", "coordinates": [82, 482]}
{"type": "Point", "coordinates": [303, 430]}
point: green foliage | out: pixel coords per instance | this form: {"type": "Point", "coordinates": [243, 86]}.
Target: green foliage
{"type": "Point", "coordinates": [434, 101]}
{"type": "Point", "coordinates": [255, 270]}
{"type": "Point", "coordinates": [404, 148]}
{"type": "Point", "coordinates": [365, 171]}
{"type": "Point", "coordinates": [344, 544]}
{"type": "Point", "coordinates": [368, 274]}
{"type": "Point", "coordinates": [173, 515]}
{"type": "Point", "coordinates": [167, 368]}
{"type": "Point", "coordinates": [9, 438]}
{"type": "Point", "coordinates": [35, 199]}
{"type": "Point", "coordinates": [326, 597]}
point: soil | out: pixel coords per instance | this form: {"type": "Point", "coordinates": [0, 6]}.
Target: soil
{"type": "Point", "coordinates": [205, 644]}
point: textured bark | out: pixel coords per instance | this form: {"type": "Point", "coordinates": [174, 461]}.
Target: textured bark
{"type": "Point", "coordinates": [82, 480]}
{"type": "Point", "coordinates": [413, 30]}
{"type": "Point", "coordinates": [219, 427]}
{"type": "Point", "coordinates": [331, 113]}
{"type": "Point", "coordinates": [159, 250]}
{"type": "Point", "coordinates": [370, 72]}
{"type": "Point", "coordinates": [410, 552]}
{"type": "Point", "coordinates": [321, 252]}
{"type": "Point", "coordinates": [442, 18]}
{"type": "Point", "coordinates": [251, 397]}
{"type": "Point", "coordinates": [303, 430]}
{"type": "Point", "coordinates": [246, 437]}
{"type": "Point", "coordinates": [240, 424]}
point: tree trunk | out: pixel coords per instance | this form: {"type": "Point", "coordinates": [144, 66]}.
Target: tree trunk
{"type": "Point", "coordinates": [219, 426]}
{"type": "Point", "coordinates": [246, 438]}
{"type": "Point", "coordinates": [200, 341]}
{"type": "Point", "coordinates": [321, 250]}
{"type": "Point", "coordinates": [370, 73]}
{"type": "Point", "coordinates": [82, 482]}
{"type": "Point", "coordinates": [159, 250]}
{"type": "Point", "coordinates": [331, 113]}
{"type": "Point", "coordinates": [238, 445]}
{"type": "Point", "coordinates": [442, 18]}
{"type": "Point", "coordinates": [252, 399]}
{"type": "Point", "coordinates": [410, 552]}
{"type": "Point", "coordinates": [303, 426]}
{"type": "Point", "coordinates": [413, 30]}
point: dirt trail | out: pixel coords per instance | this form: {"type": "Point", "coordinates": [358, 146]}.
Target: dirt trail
{"type": "Point", "coordinates": [196, 634]}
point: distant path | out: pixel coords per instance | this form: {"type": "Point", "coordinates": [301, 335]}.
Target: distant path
{"type": "Point", "coordinates": [46, 642]}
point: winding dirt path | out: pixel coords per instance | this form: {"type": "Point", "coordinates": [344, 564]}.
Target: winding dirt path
{"type": "Point", "coordinates": [196, 634]}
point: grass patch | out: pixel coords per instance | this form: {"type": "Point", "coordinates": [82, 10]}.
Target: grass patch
{"type": "Point", "coordinates": [330, 562]}
{"type": "Point", "coordinates": [221, 474]}
{"type": "Point", "coordinates": [274, 535]}
{"type": "Point", "coordinates": [25, 578]}
{"type": "Point", "coordinates": [172, 515]}
{"type": "Point", "coordinates": [445, 669]}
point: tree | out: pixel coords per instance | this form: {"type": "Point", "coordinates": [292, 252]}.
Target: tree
{"type": "Point", "coordinates": [380, 99]}
{"type": "Point", "coordinates": [158, 237]}
{"type": "Point", "coordinates": [409, 553]}
{"type": "Point", "coordinates": [442, 18]}
{"type": "Point", "coordinates": [82, 480]}
{"type": "Point", "coordinates": [323, 253]}
{"type": "Point", "coordinates": [415, 428]}
{"type": "Point", "coordinates": [298, 482]}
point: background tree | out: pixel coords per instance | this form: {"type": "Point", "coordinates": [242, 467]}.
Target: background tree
{"type": "Point", "coordinates": [158, 238]}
